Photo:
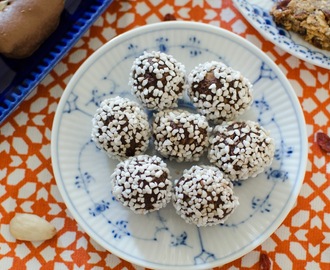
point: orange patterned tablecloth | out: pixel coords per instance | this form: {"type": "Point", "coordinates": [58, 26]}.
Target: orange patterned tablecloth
{"type": "Point", "coordinates": [27, 183]}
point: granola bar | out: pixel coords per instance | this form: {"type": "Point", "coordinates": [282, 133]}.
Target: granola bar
{"type": "Point", "coordinates": [308, 18]}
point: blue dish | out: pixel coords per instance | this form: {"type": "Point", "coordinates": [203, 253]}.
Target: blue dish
{"type": "Point", "coordinates": [162, 240]}
{"type": "Point", "coordinates": [19, 77]}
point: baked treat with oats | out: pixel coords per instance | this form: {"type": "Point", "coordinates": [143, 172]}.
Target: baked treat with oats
{"type": "Point", "coordinates": [203, 196]}
{"type": "Point", "coordinates": [121, 128]}
{"type": "Point", "coordinates": [157, 80]}
{"type": "Point", "coordinates": [142, 183]}
{"type": "Point", "coordinates": [180, 135]}
{"type": "Point", "coordinates": [241, 149]}
{"type": "Point", "coordinates": [309, 18]}
{"type": "Point", "coordinates": [220, 93]}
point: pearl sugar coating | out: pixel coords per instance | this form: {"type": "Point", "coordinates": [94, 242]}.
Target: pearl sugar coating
{"type": "Point", "coordinates": [157, 80]}
{"type": "Point", "coordinates": [121, 128]}
{"type": "Point", "coordinates": [218, 92]}
{"type": "Point", "coordinates": [142, 183]}
{"type": "Point", "coordinates": [180, 135]}
{"type": "Point", "coordinates": [241, 149]}
{"type": "Point", "coordinates": [203, 196]}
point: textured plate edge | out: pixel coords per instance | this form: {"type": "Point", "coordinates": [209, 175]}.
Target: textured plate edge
{"type": "Point", "coordinates": [85, 226]}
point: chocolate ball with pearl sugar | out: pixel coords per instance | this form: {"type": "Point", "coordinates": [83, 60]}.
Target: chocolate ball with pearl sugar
{"type": "Point", "coordinates": [142, 183]}
{"type": "Point", "coordinates": [241, 149]}
{"type": "Point", "coordinates": [219, 92]}
{"type": "Point", "coordinates": [121, 128]}
{"type": "Point", "coordinates": [180, 135]}
{"type": "Point", "coordinates": [203, 196]}
{"type": "Point", "coordinates": [157, 80]}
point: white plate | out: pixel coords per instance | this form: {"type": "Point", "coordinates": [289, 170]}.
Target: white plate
{"type": "Point", "coordinates": [257, 13]}
{"type": "Point", "coordinates": [162, 240]}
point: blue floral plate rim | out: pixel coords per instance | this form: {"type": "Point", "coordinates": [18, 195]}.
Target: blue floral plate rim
{"type": "Point", "coordinates": [80, 100]}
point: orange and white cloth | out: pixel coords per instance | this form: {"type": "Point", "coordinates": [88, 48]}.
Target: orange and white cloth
{"type": "Point", "coordinates": [27, 183]}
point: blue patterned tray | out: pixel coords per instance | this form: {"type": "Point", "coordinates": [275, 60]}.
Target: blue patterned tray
{"type": "Point", "coordinates": [19, 77]}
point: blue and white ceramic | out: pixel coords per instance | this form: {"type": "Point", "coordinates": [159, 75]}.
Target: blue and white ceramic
{"type": "Point", "coordinates": [257, 13]}
{"type": "Point", "coordinates": [162, 240]}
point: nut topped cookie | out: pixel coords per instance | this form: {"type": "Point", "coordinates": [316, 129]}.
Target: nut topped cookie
{"type": "Point", "coordinates": [308, 18]}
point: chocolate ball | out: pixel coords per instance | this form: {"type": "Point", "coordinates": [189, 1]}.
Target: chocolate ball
{"type": "Point", "coordinates": [157, 80]}
{"type": "Point", "coordinates": [220, 93]}
{"type": "Point", "coordinates": [121, 128]}
{"type": "Point", "coordinates": [241, 149]}
{"type": "Point", "coordinates": [203, 196]}
{"type": "Point", "coordinates": [142, 183]}
{"type": "Point", "coordinates": [180, 135]}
